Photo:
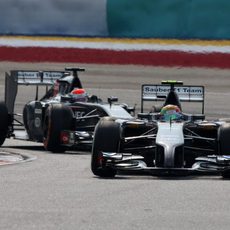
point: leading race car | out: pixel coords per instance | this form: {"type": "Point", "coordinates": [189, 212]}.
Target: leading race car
{"type": "Point", "coordinates": [165, 142]}
{"type": "Point", "coordinates": [65, 117]}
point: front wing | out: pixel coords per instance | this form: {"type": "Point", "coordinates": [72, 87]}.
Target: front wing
{"type": "Point", "coordinates": [128, 163]}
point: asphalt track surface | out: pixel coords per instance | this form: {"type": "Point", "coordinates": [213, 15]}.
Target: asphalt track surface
{"type": "Point", "coordinates": [58, 191]}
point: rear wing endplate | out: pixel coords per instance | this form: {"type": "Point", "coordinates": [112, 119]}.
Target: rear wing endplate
{"type": "Point", "coordinates": [21, 77]}
{"type": "Point", "coordinates": [184, 92]}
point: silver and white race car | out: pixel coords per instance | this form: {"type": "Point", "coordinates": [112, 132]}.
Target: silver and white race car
{"type": "Point", "coordinates": [166, 141]}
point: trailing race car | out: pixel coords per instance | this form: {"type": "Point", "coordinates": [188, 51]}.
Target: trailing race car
{"type": "Point", "coordinates": [168, 142]}
{"type": "Point", "coordinates": [64, 117]}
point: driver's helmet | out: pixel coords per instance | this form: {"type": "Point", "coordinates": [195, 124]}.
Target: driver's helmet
{"type": "Point", "coordinates": [79, 95]}
{"type": "Point", "coordinates": [170, 112]}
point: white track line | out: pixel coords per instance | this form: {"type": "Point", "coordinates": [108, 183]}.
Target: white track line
{"type": "Point", "coordinates": [105, 45]}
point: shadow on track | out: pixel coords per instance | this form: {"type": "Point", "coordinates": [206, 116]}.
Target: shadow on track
{"type": "Point", "coordinates": [162, 178]}
{"type": "Point", "coordinates": [40, 148]}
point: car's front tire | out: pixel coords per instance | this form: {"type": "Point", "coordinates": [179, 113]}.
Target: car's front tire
{"type": "Point", "coordinates": [224, 139]}
{"type": "Point", "coordinates": [58, 117]}
{"type": "Point", "coordinates": [106, 139]}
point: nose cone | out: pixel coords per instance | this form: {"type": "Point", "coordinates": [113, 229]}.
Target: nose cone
{"type": "Point", "coordinates": [170, 136]}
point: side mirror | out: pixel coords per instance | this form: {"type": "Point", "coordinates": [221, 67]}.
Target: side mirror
{"type": "Point", "coordinates": [129, 109]}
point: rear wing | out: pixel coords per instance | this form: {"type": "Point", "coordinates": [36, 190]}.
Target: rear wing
{"type": "Point", "coordinates": [36, 77]}
{"type": "Point", "coordinates": [159, 93]}
{"type": "Point", "coordinates": [26, 78]}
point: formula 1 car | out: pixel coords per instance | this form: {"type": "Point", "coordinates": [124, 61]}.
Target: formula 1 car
{"type": "Point", "coordinates": [163, 143]}
{"type": "Point", "coordinates": [59, 119]}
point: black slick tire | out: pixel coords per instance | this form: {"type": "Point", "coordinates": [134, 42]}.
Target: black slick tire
{"type": "Point", "coordinates": [3, 122]}
{"type": "Point", "coordinates": [58, 117]}
{"type": "Point", "coordinates": [28, 119]}
{"type": "Point", "coordinates": [224, 140]}
{"type": "Point", "coordinates": [107, 139]}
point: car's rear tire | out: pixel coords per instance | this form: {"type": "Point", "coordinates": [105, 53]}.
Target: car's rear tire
{"type": "Point", "coordinates": [58, 117]}
{"type": "Point", "coordinates": [28, 118]}
{"type": "Point", "coordinates": [224, 140]}
{"type": "Point", "coordinates": [4, 122]}
{"type": "Point", "coordinates": [107, 139]}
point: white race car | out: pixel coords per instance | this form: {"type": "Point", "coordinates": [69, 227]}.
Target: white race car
{"type": "Point", "coordinates": [166, 141]}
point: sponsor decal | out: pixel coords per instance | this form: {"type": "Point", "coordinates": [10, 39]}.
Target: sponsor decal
{"type": "Point", "coordinates": [166, 89]}
{"type": "Point", "coordinates": [79, 114]}
{"type": "Point", "coordinates": [38, 111]}
{"type": "Point", "coordinates": [184, 92]}
{"type": "Point", "coordinates": [37, 122]}
{"type": "Point", "coordinates": [53, 75]}
{"type": "Point", "coordinates": [23, 74]}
